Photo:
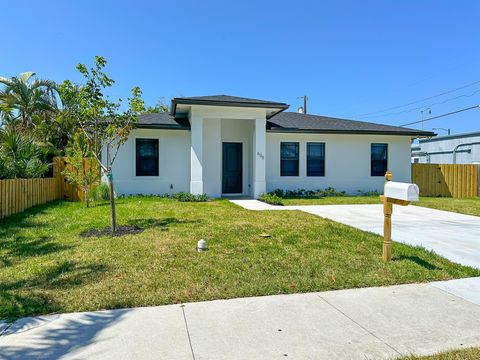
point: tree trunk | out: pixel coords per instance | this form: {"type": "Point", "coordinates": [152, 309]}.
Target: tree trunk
{"type": "Point", "coordinates": [87, 196]}
{"type": "Point", "coordinates": [85, 182]}
{"type": "Point", "coordinates": [113, 211]}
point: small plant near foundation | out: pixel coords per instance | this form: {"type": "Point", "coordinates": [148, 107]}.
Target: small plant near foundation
{"type": "Point", "coordinates": [271, 199]}
{"type": "Point", "coordinates": [302, 193]}
{"type": "Point", "coordinates": [101, 192]}
{"type": "Point", "coordinates": [187, 197]}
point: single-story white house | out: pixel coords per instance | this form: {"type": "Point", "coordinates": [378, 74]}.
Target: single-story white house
{"type": "Point", "coordinates": [226, 145]}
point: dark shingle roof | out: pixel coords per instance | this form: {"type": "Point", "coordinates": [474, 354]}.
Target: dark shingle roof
{"type": "Point", "coordinates": [161, 120]}
{"type": "Point", "coordinates": [296, 122]}
{"type": "Point", "coordinates": [228, 99]}
{"type": "Point", "coordinates": [287, 122]}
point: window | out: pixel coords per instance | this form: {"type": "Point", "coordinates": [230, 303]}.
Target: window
{"type": "Point", "coordinates": [146, 157]}
{"type": "Point", "coordinates": [379, 159]}
{"type": "Point", "coordinates": [289, 159]}
{"type": "Point", "coordinates": [315, 159]}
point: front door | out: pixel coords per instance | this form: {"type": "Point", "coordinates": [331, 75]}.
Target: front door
{"type": "Point", "coordinates": [232, 168]}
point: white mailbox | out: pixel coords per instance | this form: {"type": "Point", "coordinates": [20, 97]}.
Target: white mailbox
{"type": "Point", "coordinates": [401, 191]}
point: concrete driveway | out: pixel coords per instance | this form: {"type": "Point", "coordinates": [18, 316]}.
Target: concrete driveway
{"type": "Point", "coordinates": [451, 235]}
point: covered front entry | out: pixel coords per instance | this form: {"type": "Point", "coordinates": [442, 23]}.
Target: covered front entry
{"type": "Point", "coordinates": [232, 173]}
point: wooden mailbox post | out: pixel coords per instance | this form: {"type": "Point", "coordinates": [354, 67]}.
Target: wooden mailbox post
{"type": "Point", "coordinates": [394, 193]}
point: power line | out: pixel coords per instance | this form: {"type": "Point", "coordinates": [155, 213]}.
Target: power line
{"type": "Point", "coordinates": [421, 100]}
{"type": "Point", "coordinates": [425, 107]}
{"type": "Point", "coordinates": [443, 115]}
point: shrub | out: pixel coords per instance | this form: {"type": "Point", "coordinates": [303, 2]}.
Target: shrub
{"type": "Point", "coordinates": [302, 193]}
{"type": "Point", "coordinates": [188, 197]}
{"type": "Point", "coordinates": [101, 192]}
{"type": "Point", "coordinates": [329, 192]}
{"type": "Point", "coordinates": [278, 192]}
{"type": "Point", "coordinates": [271, 199]}
{"type": "Point", "coordinates": [368, 193]}
{"type": "Point", "coordinates": [20, 156]}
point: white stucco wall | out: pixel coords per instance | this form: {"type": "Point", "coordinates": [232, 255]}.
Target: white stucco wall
{"type": "Point", "coordinates": [347, 162]}
{"type": "Point", "coordinates": [174, 164]}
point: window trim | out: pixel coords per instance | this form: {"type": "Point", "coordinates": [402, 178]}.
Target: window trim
{"type": "Point", "coordinates": [135, 158]}
{"type": "Point", "coordinates": [297, 143]}
{"type": "Point", "coordinates": [324, 157]}
{"type": "Point", "coordinates": [386, 160]}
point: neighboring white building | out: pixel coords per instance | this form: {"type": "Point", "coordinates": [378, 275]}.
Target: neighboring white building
{"type": "Point", "coordinates": [451, 149]}
{"type": "Point", "coordinates": [224, 145]}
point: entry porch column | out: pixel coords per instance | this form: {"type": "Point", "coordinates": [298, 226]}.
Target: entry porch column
{"type": "Point", "coordinates": [196, 155]}
{"type": "Point", "coordinates": [259, 185]}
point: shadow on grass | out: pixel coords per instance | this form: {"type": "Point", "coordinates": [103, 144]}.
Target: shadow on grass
{"type": "Point", "coordinates": [22, 219]}
{"type": "Point", "coordinates": [419, 261]}
{"type": "Point", "coordinates": [163, 224]}
{"type": "Point", "coordinates": [23, 247]}
{"type": "Point", "coordinates": [73, 334]}
{"type": "Point", "coordinates": [30, 296]}
{"type": "Point", "coordinates": [17, 244]}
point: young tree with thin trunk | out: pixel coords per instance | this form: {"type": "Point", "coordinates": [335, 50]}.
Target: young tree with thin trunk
{"type": "Point", "coordinates": [102, 121]}
{"type": "Point", "coordinates": [80, 170]}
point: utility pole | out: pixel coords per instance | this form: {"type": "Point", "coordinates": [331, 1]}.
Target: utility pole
{"type": "Point", "coordinates": [304, 97]}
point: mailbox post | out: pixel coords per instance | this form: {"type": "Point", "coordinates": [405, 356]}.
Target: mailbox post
{"type": "Point", "coordinates": [394, 193]}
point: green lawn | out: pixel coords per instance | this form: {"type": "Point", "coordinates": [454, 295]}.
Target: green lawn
{"type": "Point", "coordinates": [464, 354]}
{"type": "Point", "coordinates": [470, 206]}
{"type": "Point", "coordinates": [46, 267]}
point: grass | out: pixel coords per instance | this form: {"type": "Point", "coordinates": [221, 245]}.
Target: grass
{"type": "Point", "coordinates": [332, 200]}
{"type": "Point", "coordinates": [469, 206]}
{"type": "Point", "coordinates": [46, 267]}
{"type": "Point", "coordinates": [464, 354]}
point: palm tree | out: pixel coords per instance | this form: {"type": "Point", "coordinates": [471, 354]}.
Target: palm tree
{"type": "Point", "coordinates": [20, 157]}
{"type": "Point", "coordinates": [27, 98]}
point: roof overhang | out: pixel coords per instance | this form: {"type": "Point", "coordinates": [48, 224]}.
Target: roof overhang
{"type": "Point", "coordinates": [183, 105]}
{"type": "Point", "coordinates": [351, 132]}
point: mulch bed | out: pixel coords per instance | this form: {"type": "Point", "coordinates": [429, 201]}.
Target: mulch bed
{"type": "Point", "coordinates": [121, 231]}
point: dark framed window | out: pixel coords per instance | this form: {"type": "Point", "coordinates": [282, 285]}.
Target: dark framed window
{"type": "Point", "coordinates": [379, 159]}
{"type": "Point", "coordinates": [315, 159]}
{"type": "Point", "coordinates": [289, 159]}
{"type": "Point", "coordinates": [146, 154]}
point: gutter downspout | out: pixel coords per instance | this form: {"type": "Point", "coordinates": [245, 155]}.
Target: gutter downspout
{"type": "Point", "coordinates": [461, 145]}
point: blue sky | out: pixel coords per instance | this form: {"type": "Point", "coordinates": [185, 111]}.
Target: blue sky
{"type": "Point", "coordinates": [349, 57]}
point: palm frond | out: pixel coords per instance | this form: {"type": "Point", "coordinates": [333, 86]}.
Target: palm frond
{"type": "Point", "coordinates": [49, 84]}
{"type": "Point", "coordinates": [25, 76]}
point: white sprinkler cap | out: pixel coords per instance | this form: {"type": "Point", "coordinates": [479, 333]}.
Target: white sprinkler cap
{"type": "Point", "coordinates": [201, 245]}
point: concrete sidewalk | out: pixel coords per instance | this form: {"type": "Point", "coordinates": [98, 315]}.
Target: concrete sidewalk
{"type": "Point", "coordinates": [369, 323]}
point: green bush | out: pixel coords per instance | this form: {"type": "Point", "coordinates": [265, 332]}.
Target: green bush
{"type": "Point", "coordinates": [271, 199]}
{"type": "Point", "coordinates": [329, 192]}
{"type": "Point", "coordinates": [187, 197]}
{"type": "Point", "coordinates": [20, 156]}
{"type": "Point", "coordinates": [100, 192]}
{"type": "Point", "coordinates": [302, 193]}
{"type": "Point", "coordinates": [368, 193]}
{"type": "Point", "coordinates": [278, 192]}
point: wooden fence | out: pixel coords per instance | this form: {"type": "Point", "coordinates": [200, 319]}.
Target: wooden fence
{"type": "Point", "coordinates": [446, 180]}
{"type": "Point", "coordinates": [17, 195]}
{"type": "Point", "coordinates": [67, 190]}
